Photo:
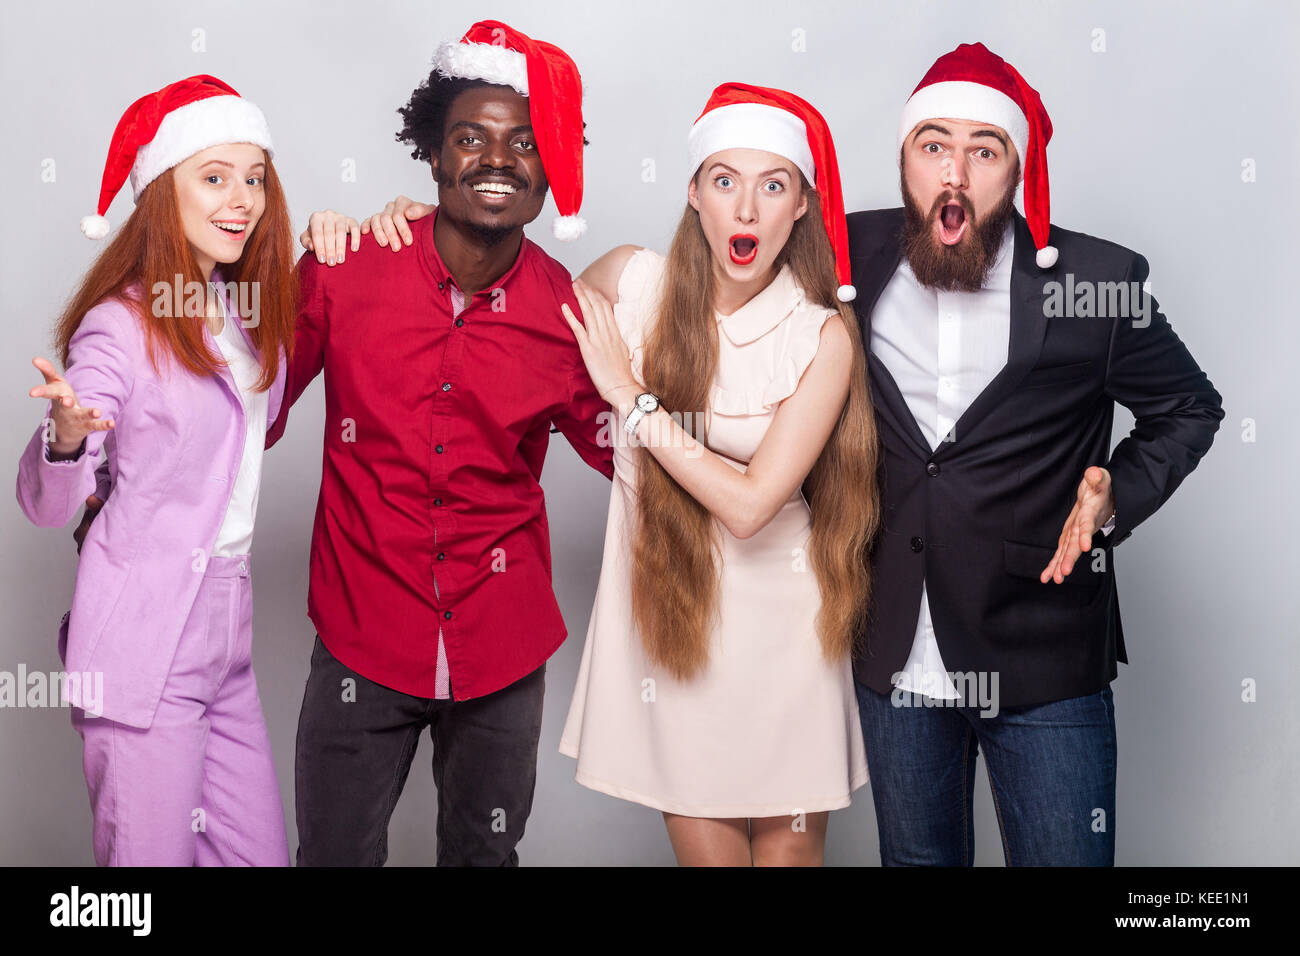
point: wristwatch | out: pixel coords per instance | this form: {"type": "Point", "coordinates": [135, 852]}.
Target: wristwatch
{"type": "Point", "coordinates": [645, 404]}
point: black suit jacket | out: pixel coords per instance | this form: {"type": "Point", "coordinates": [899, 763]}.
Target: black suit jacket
{"type": "Point", "coordinates": [979, 518]}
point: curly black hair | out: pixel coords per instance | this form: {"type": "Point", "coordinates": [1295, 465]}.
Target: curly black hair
{"type": "Point", "coordinates": [424, 117]}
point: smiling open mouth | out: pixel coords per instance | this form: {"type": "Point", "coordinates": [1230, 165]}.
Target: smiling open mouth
{"type": "Point", "coordinates": [494, 189]}
{"type": "Point", "coordinates": [743, 249]}
{"type": "Point", "coordinates": [232, 228]}
{"type": "Point", "coordinates": [952, 223]}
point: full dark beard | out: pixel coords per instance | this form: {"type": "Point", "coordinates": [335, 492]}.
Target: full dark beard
{"type": "Point", "coordinates": [959, 268]}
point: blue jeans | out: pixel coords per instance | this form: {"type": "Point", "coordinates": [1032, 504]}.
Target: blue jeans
{"type": "Point", "coordinates": [1051, 767]}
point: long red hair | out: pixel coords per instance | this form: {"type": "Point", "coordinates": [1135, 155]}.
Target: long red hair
{"type": "Point", "coordinates": [151, 248]}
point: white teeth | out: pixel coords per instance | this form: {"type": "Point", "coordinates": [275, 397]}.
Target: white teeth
{"type": "Point", "coordinates": [230, 226]}
{"type": "Point", "coordinates": [500, 189]}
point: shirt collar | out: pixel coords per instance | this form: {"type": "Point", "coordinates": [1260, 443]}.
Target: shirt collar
{"type": "Point", "coordinates": [765, 311]}
{"type": "Point", "coordinates": [439, 269]}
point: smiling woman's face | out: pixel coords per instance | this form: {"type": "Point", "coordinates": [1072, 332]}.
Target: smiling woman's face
{"type": "Point", "coordinates": [221, 197]}
{"type": "Point", "coordinates": [748, 201]}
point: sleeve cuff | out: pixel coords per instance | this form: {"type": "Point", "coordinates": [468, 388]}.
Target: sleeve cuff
{"type": "Point", "coordinates": [76, 457]}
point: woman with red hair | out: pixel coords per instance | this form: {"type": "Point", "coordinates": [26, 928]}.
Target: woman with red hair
{"type": "Point", "coordinates": [174, 349]}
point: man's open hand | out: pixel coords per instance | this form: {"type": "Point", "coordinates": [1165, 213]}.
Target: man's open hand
{"type": "Point", "coordinates": [1094, 507]}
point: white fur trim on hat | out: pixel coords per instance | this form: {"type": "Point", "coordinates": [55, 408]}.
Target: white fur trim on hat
{"type": "Point", "coordinates": [568, 228]}
{"type": "Point", "coordinates": [184, 131]}
{"type": "Point", "coordinates": [751, 126]}
{"type": "Point", "coordinates": [483, 61]}
{"type": "Point", "coordinates": [961, 99]}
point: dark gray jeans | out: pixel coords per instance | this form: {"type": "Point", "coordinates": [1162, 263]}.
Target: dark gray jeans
{"type": "Point", "coordinates": [353, 757]}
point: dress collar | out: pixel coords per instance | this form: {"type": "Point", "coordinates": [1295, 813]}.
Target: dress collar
{"type": "Point", "coordinates": [765, 311]}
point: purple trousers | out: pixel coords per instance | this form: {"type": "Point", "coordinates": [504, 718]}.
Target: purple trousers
{"type": "Point", "coordinates": [198, 787]}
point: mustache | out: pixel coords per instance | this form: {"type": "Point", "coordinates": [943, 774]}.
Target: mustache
{"type": "Point", "coordinates": [495, 176]}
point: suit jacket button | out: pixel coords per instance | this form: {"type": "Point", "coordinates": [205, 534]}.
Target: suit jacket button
{"type": "Point", "coordinates": [917, 544]}
{"type": "Point", "coordinates": [932, 469]}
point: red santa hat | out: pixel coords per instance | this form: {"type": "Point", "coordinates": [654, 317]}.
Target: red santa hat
{"type": "Point", "coordinates": [972, 83]}
{"type": "Point", "coordinates": [496, 53]}
{"type": "Point", "coordinates": [755, 117]}
{"type": "Point", "coordinates": [167, 127]}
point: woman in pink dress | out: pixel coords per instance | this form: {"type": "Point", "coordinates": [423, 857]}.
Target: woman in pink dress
{"type": "Point", "coordinates": [715, 683]}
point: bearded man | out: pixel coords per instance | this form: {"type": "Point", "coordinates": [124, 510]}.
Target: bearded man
{"type": "Point", "coordinates": [998, 345]}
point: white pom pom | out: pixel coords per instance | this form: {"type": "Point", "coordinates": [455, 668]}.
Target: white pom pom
{"type": "Point", "coordinates": [94, 227]}
{"type": "Point", "coordinates": [1046, 257]}
{"type": "Point", "coordinates": [568, 228]}
{"type": "Point", "coordinates": [846, 293]}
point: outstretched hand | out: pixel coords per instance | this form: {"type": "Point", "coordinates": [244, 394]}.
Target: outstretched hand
{"type": "Point", "coordinates": [1093, 507]}
{"type": "Point", "coordinates": [72, 423]}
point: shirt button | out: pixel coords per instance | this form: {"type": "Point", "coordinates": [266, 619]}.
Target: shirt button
{"type": "Point", "coordinates": [446, 386]}
{"type": "Point", "coordinates": [459, 323]}
{"type": "Point", "coordinates": [917, 544]}
{"type": "Point", "coordinates": [442, 555]}
{"type": "Point", "coordinates": [438, 449]}
{"type": "Point", "coordinates": [440, 286]}
{"type": "Point", "coordinates": [932, 469]}
{"type": "Point", "coordinates": [446, 615]}
{"type": "Point", "coordinates": [437, 502]}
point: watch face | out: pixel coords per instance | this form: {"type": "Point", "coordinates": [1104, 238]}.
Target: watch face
{"type": "Point", "coordinates": [647, 402]}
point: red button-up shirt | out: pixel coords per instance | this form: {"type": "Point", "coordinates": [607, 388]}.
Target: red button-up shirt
{"type": "Point", "coordinates": [436, 426]}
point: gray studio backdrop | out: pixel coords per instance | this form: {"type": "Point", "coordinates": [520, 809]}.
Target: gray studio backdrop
{"type": "Point", "coordinates": [1175, 135]}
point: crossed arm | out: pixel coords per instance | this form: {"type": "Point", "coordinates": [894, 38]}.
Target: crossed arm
{"type": "Point", "coordinates": [744, 501]}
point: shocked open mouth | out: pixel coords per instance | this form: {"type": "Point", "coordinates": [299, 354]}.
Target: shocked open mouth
{"type": "Point", "coordinates": [743, 248]}
{"type": "Point", "coordinates": [952, 223]}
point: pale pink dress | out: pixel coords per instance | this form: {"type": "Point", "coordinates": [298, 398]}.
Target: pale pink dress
{"type": "Point", "coordinates": [770, 728]}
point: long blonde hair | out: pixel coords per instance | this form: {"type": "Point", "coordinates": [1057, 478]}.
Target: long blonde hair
{"type": "Point", "coordinates": [676, 543]}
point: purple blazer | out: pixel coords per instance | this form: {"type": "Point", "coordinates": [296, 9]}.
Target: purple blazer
{"type": "Point", "coordinates": [173, 455]}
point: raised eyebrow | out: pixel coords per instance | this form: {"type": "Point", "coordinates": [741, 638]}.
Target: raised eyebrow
{"type": "Point", "coordinates": [768, 172]}
{"type": "Point", "coordinates": [991, 132]}
{"type": "Point", "coordinates": [931, 126]}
